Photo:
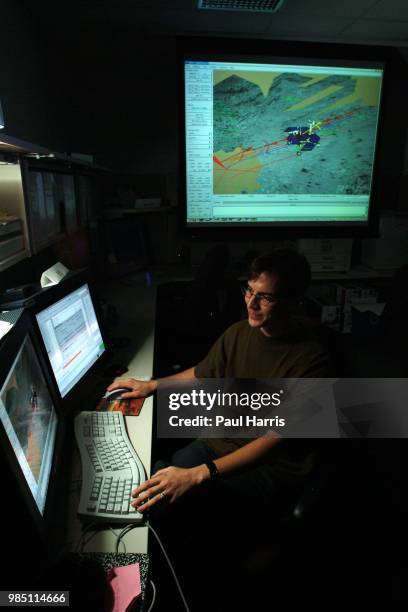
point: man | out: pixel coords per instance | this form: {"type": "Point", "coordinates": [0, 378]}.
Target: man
{"type": "Point", "coordinates": [270, 343]}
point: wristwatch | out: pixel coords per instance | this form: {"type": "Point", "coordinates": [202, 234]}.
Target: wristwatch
{"type": "Point", "coordinates": [212, 468]}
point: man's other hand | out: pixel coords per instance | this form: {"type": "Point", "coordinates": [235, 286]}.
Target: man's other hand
{"type": "Point", "coordinates": [168, 484]}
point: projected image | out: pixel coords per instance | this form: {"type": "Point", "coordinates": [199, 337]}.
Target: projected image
{"type": "Point", "coordinates": [29, 408]}
{"type": "Point", "coordinates": [293, 132]}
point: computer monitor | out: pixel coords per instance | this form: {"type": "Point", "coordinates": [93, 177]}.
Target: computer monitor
{"type": "Point", "coordinates": [29, 419]}
{"type": "Point", "coordinates": [72, 337]}
{"type": "Point", "coordinates": [32, 439]}
{"type": "Point", "coordinates": [33, 454]}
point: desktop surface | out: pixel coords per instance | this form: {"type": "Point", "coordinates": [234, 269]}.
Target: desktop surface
{"type": "Point", "coordinates": [136, 323]}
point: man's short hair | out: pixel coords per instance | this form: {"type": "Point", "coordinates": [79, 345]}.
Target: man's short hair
{"type": "Point", "coordinates": [292, 269]}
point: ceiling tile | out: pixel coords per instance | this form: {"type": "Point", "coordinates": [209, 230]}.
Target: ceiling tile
{"type": "Point", "coordinates": [322, 28]}
{"type": "Point", "coordinates": [378, 31]}
{"type": "Point", "coordinates": [326, 8]}
{"type": "Point", "coordinates": [389, 10]}
{"type": "Point", "coordinates": [318, 20]}
{"type": "Point", "coordinates": [202, 21]}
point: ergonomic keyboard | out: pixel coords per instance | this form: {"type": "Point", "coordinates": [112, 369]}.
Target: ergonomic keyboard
{"type": "Point", "coordinates": [111, 468]}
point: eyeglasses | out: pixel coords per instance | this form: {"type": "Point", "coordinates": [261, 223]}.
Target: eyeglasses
{"type": "Point", "coordinates": [263, 298]}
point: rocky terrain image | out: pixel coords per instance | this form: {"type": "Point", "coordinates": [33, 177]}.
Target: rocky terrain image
{"type": "Point", "coordinates": [294, 133]}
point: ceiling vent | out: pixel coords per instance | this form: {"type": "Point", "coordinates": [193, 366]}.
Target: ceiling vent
{"type": "Point", "coordinates": [250, 6]}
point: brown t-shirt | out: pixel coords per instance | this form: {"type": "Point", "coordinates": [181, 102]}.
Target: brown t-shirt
{"type": "Point", "coordinates": [245, 352]}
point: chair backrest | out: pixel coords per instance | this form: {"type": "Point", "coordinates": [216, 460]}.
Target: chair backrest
{"type": "Point", "coordinates": [302, 501]}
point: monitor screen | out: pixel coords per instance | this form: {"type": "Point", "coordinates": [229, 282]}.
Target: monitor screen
{"type": "Point", "coordinates": [72, 337]}
{"type": "Point", "coordinates": [280, 143]}
{"type": "Point", "coordinates": [29, 419]}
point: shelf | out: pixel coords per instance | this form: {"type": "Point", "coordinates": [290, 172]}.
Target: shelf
{"type": "Point", "coordinates": [119, 213]}
{"type": "Point", "coordinates": [358, 272]}
{"type": "Point", "coordinates": [13, 259]}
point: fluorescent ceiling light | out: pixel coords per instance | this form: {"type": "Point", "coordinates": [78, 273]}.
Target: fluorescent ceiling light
{"type": "Point", "coordinates": [250, 6]}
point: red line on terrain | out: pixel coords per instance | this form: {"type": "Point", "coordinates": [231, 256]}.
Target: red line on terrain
{"type": "Point", "coordinates": [219, 162]}
{"type": "Point", "coordinates": [238, 172]}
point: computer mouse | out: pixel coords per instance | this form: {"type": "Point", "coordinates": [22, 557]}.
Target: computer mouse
{"type": "Point", "coordinates": [116, 394]}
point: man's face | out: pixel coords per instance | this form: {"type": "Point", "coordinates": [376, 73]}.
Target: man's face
{"type": "Point", "coordinates": [261, 313]}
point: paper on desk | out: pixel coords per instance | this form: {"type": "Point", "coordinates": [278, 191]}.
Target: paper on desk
{"type": "Point", "coordinates": [128, 407]}
{"type": "Point", "coordinates": [124, 582]}
{"type": "Point", "coordinates": [4, 328]}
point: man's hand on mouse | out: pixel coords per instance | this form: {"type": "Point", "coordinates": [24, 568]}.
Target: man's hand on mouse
{"type": "Point", "coordinates": [137, 388]}
{"type": "Point", "coordinates": [168, 484]}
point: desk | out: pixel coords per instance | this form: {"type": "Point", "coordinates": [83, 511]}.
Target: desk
{"type": "Point", "coordinates": [135, 305]}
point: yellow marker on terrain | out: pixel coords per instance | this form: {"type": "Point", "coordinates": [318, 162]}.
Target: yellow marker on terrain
{"type": "Point", "coordinates": [313, 79]}
{"type": "Point", "coordinates": [264, 80]}
{"type": "Point", "coordinates": [240, 173]}
{"type": "Point", "coordinates": [366, 93]}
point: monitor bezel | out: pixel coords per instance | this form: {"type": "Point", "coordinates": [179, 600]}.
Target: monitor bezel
{"type": "Point", "coordinates": [9, 349]}
{"type": "Point", "coordinates": [317, 53]}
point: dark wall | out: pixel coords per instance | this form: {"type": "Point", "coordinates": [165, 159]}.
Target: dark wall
{"type": "Point", "coordinates": [125, 103]}
{"type": "Point", "coordinates": [32, 90]}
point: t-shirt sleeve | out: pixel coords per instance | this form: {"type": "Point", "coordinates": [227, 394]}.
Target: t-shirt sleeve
{"type": "Point", "coordinates": [214, 364]}
{"type": "Point", "coordinates": [318, 367]}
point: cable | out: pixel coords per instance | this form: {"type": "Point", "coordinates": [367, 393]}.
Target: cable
{"type": "Point", "coordinates": [118, 540]}
{"type": "Point", "coordinates": [121, 535]}
{"type": "Point", "coordinates": [82, 542]}
{"type": "Point", "coordinates": [153, 597]}
{"type": "Point", "coordinates": [170, 566]}
{"type": "Point", "coordinates": [91, 536]}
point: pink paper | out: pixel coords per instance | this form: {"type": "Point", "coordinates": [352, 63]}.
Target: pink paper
{"type": "Point", "coordinates": [124, 583]}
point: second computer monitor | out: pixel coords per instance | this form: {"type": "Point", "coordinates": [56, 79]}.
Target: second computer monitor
{"type": "Point", "coordinates": [29, 419]}
{"type": "Point", "coordinates": [72, 337]}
